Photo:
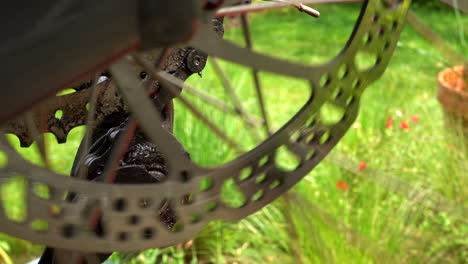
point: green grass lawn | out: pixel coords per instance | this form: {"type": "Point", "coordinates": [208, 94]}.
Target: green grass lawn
{"type": "Point", "coordinates": [405, 206]}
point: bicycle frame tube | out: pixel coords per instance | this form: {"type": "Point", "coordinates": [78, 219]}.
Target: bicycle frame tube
{"type": "Point", "coordinates": [49, 45]}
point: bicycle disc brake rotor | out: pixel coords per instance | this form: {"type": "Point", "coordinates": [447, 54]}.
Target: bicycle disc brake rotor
{"type": "Point", "coordinates": [131, 214]}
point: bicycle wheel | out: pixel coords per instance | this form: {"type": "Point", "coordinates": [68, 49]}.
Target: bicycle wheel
{"type": "Point", "coordinates": [131, 216]}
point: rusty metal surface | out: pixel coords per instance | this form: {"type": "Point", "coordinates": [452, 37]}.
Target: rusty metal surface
{"type": "Point", "coordinates": [73, 107]}
{"type": "Point", "coordinates": [306, 136]}
{"type": "Point", "coordinates": [74, 112]}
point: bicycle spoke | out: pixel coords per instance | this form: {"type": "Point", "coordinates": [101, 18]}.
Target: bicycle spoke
{"type": "Point", "coordinates": [250, 123]}
{"type": "Point", "coordinates": [300, 7]}
{"type": "Point", "coordinates": [170, 83]}
{"type": "Point", "coordinates": [221, 105]}
{"type": "Point", "coordinates": [217, 103]}
{"type": "Point", "coordinates": [258, 88]}
{"type": "Point", "coordinates": [129, 131]}
{"type": "Point", "coordinates": [120, 147]}
{"type": "Point", "coordinates": [259, 7]}
{"type": "Point", "coordinates": [89, 122]}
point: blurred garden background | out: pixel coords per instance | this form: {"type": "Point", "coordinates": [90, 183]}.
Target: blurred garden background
{"type": "Point", "coordinates": [392, 191]}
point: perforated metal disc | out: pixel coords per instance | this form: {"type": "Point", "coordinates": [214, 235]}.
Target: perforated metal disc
{"type": "Point", "coordinates": [130, 213]}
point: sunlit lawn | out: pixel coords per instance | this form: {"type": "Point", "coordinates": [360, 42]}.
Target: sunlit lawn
{"type": "Point", "coordinates": [347, 210]}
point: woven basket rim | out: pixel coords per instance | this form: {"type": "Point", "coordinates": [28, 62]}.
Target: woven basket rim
{"type": "Point", "coordinates": [444, 84]}
{"type": "Point", "coordinates": [452, 100]}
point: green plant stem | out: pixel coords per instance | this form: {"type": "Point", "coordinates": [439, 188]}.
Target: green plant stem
{"type": "Point", "coordinates": [292, 229]}
{"type": "Point", "coordinates": [5, 256]}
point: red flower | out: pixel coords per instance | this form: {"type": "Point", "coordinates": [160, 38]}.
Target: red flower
{"type": "Point", "coordinates": [404, 126]}
{"type": "Point", "coordinates": [362, 166]}
{"type": "Point", "coordinates": [389, 123]}
{"type": "Point", "coordinates": [342, 186]}
{"type": "Point", "coordinates": [414, 118]}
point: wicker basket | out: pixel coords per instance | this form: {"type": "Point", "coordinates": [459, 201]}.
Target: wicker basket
{"type": "Point", "coordinates": [453, 96]}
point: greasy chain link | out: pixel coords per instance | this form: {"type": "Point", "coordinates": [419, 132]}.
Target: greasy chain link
{"type": "Point", "coordinates": [131, 216]}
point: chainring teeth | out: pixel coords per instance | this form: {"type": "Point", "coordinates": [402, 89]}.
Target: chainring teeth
{"type": "Point", "coordinates": [61, 114]}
